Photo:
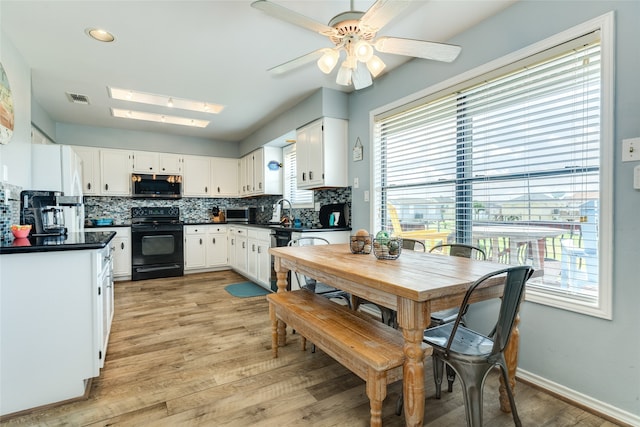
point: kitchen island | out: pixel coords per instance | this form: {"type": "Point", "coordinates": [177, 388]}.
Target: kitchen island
{"type": "Point", "coordinates": [56, 306]}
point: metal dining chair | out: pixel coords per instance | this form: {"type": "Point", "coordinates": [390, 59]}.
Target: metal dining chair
{"type": "Point", "coordinates": [311, 284]}
{"type": "Point", "coordinates": [472, 354]}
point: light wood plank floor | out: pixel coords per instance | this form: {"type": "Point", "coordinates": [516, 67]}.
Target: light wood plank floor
{"type": "Point", "coordinates": [184, 352]}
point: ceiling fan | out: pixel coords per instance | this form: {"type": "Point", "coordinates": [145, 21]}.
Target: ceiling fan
{"type": "Point", "coordinates": [354, 33]}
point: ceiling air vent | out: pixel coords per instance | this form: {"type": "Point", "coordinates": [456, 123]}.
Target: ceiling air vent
{"type": "Point", "coordinates": [77, 98]}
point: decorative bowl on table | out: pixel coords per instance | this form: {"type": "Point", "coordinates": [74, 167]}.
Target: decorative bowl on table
{"type": "Point", "coordinates": [20, 231]}
{"type": "Point", "coordinates": [360, 243]}
{"type": "Point", "coordinates": [386, 246]}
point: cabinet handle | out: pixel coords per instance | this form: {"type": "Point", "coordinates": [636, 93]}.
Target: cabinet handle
{"type": "Point", "coordinates": [206, 189]}
{"type": "Point", "coordinates": [122, 245]}
{"type": "Point", "coordinates": [106, 186]}
{"type": "Point", "coordinates": [243, 245]}
{"type": "Point", "coordinates": [259, 251]}
{"type": "Point", "coordinates": [260, 185]}
{"type": "Point", "coordinates": [218, 189]}
{"type": "Point", "coordinates": [310, 175]}
{"type": "Point", "coordinates": [233, 242]}
{"type": "Point", "coordinates": [304, 176]}
{"type": "Point", "coordinates": [200, 241]}
{"type": "Point", "coordinates": [214, 240]}
{"type": "Point", "coordinates": [253, 248]}
{"type": "Point", "coordinates": [88, 186]}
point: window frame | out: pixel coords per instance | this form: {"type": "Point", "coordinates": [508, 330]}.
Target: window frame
{"type": "Point", "coordinates": [545, 48]}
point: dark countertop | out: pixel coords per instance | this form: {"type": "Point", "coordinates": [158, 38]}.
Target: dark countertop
{"type": "Point", "coordinates": [70, 242]}
{"type": "Point", "coordinates": [273, 227]}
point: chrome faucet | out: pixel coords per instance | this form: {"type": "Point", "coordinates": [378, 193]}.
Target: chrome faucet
{"type": "Point", "coordinates": [286, 219]}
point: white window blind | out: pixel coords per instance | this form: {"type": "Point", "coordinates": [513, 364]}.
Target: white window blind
{"type": "Point", "coordinates": [509, 163]}
{"type": "Point", "coordinates": [298, 198]}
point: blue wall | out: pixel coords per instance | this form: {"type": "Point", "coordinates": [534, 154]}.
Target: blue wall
{"type": "Point", "coordinates": [595, 357]}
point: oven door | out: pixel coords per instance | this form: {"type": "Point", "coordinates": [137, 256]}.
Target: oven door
{"type": "Point", "coordinates": [156, 251]}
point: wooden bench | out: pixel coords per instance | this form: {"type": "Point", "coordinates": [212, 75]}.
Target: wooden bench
{"type": "Point", "coordinates": [370, 349]}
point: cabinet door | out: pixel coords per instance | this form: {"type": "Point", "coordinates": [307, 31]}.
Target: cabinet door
{"type": "Point", "coordinates": [216, 246]}
{"type": "Point", "coordinates": [258, 171]}
{"type": "Point", "coordinates": [121, 256]}
{"type": "Point", "coordinates": [194, 250]}
{"type": "Point", "coordinates": [145, 162]}
{"type": "Point", "coordinates": [242, 253]}
{"type": "Point", "coordinates": [196, 177]}
{"type": "Point", "coordinates": [245, 176]}
{"type": "Point", "coordinates": [231, 248]}
{"type": "Point", "coordinates": [264, 263]}
{"type": "Point", "coordinates": [90, 158]}
{"type": "Point", "coordinates": [169, 163]}
{"type": "Point", "coordinates": [115, 172]}
{"type": "Point", "coordinates": [224, 177]}
{"type": "Point", "coordinates": [309, 160]}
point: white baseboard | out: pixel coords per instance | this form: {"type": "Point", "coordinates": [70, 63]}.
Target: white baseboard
{"type": "Point", "coordinates": [579, 398]}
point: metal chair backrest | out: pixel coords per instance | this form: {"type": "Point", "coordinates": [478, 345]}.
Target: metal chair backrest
{"type": "Point", "coordinates": [461, 250]}
{"type": "Point", "coordinates": [413, 245]}
{"type": "Point", "coordinates": [308, 241]}
{"type": "Point", "coordinates": [515, 282]}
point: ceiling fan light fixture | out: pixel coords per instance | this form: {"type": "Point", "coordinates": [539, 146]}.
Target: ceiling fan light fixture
{"type": "Point", "coordinates": [344, 74]}
{"type": "Point", "coordinates": [361, 77]}
{"type": "Point", "coordinates": [328, 60]}
{"type": "Point", "coordinates": [363, 50]}
{"type": "Point", "coordinates": [375, 66]}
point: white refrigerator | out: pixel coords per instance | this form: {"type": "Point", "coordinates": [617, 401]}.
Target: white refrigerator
{"type": "Point", "coordinates": [58, 168]}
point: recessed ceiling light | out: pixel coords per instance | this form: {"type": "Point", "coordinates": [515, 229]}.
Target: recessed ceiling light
{"type": "Point", "coordinates": [160, 118]}
{"type": "Point", "coordinates": [100, 35]}
{"type": "Point", "coordinates": [165, 101]}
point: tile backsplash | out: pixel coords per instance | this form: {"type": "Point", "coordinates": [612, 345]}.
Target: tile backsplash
{"type": "Point", "coordinates": [199, 209]}
{"type": "Point", "coordinates": [9, 211]}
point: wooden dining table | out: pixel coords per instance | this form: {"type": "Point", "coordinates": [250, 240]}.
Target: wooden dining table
{"type": "Point", "coordinates": [414, 285]}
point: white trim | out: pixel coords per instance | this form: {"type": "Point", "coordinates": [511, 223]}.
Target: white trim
{"type": "Point", "coordinates": [604, 24]}
{"type": "Point", "coordinates": [579, 398]}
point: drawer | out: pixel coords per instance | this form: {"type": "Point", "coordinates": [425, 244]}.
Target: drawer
{"type": "Point", "coordinates": [194, 229]}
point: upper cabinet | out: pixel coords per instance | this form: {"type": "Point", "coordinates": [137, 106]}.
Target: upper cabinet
{"type": "Point", "coordinates": [115, 172]}
{"type": "Point", "coordinates": [321, 154]}
{"type": "Point", "coordinates": [224, 177]}
{"type": "Point", "coordinates": [161, 163]}
{"type": "Point", "coordinates": [196, 179]}
{"type": "Point", "coordinates": [260, 172]}
{"type": "Point", "coordinates": [90, 157]}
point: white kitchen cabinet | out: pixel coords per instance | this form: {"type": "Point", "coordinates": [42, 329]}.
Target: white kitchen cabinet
{"type": "Point", "coordinates": [216, 246]}
{"type": "Point", "coordinates": [115, 172]}
{"type": "Point", "coordinates": [238, 237]}
{"type": "Point", "coordinates": [170, 163]}
{"type": "Point", "coordinates": [196, 179]}
{"type": "Point", "coordinates": [90, 157]}
{"type": "Point", "coordinates": [259, 259]}
{"type": "Point", "coordinates": [261, 173]}
{"type": "Point", "coordinates": [224, 177]}
{"type": "Point", "coordinates": [120, 250]}
{"type": "Point", "coordinates": [145, 161]}
{"type": "Point", "coordinates": [205, 246]}
{"type": "Point", "coordinates": [56, 325]}
{"type": "Point", "coordinates": [195, 255]}
{"type": "Point", "coordinates": [231, 247]}
{"type": "Point", "coordinates": [321, 154]}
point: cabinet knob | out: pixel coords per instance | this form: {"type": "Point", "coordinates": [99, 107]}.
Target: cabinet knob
{"type": "Point", "coordinates": [150, 168]}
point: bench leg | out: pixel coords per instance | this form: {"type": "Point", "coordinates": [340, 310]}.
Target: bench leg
{"type": "Point", "coordinates": [376, 392]}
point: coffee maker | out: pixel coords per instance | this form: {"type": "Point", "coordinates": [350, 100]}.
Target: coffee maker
{"type": "Point", "coordinates": [41, 210]}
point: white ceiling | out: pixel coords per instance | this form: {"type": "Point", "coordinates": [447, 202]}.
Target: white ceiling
{"type": "Point", "coordinates": [216, 51]}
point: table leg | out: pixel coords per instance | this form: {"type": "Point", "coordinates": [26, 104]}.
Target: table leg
{"type": "Point", "coordinates": [511, 356]}
{"type": "Point", "coordinates": [411, 320]}
{"type": "Point", "coordinates": [282, 275]}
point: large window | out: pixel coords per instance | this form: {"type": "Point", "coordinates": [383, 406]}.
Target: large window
{"type": "Point", "coordinates": [511, 161]}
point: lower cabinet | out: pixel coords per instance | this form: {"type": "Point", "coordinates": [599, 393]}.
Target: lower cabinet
{"type": "Point", "coordinates": [205, 246]}
{"type": "Point", "coordinates": [56, 311]}
{"type": "Point", "coordinates": [259, 259]}
{"type": "Point", "coordinates": [120, 250]}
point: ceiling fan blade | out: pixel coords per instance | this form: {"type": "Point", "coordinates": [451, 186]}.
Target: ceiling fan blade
{"type": "Point", "coordinates": [292, 17]}
{"type": "Point", "coordinates": [418, 48]}
{"type": "Point", "coordinates": [298, 62]}
{"type": "Point", "coordinates": [381, 12]}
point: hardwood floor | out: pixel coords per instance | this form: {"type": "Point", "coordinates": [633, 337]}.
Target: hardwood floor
{"type": "Point", "coordinates": [184, 352]}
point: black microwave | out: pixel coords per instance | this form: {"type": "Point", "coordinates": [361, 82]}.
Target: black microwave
{"type": "Point", "coordinates": [156, 186]}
